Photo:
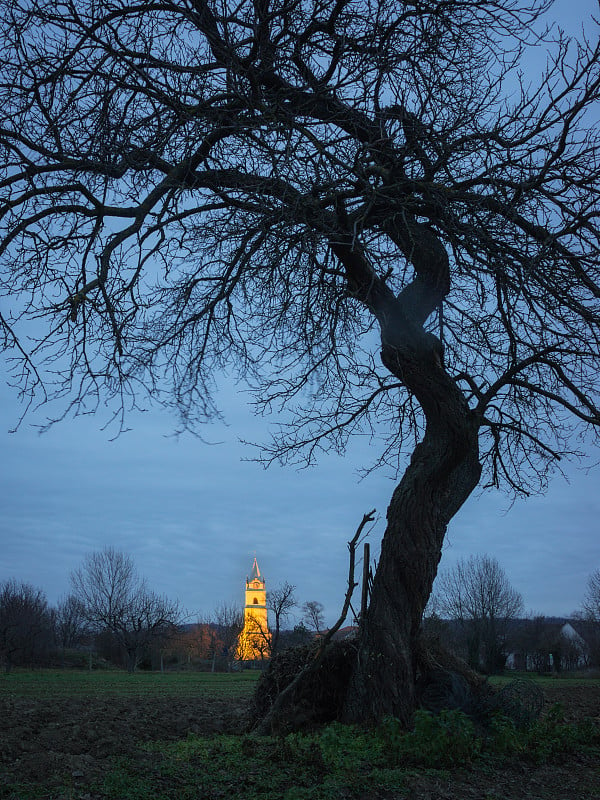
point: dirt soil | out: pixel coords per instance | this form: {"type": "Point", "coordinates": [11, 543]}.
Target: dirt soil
{"type": "Point", "coordinates": [40, 740]}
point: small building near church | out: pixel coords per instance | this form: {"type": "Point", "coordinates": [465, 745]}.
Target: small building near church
{"type": "Point", "coordinates": [254, 643]}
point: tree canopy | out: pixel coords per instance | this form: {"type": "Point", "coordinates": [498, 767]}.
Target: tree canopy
{"type": "Point", "coordinates": [192, 184]}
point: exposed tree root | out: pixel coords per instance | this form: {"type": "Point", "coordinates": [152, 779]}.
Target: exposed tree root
{"type": "Point", "coordinates": [445, 681]}
{"type": "Point", "coordinates": [300, 690]}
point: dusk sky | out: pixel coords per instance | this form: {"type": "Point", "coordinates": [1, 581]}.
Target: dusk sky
{"type": "Point", "coordinates": [194, 515]}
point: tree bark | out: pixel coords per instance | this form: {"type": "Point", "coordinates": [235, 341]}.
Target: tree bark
{"type": "Point", "coordinates": [443, 471]}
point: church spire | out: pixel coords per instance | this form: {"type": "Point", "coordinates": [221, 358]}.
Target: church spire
{"type": "Point", "coordinates": [255, 571]}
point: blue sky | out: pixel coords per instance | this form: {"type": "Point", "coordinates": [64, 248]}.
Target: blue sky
{"type": "Point", "coordinates": [194, 515]}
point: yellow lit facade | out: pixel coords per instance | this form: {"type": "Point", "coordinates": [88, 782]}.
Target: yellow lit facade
{"type": "Point", "coordinates": [255, 640]}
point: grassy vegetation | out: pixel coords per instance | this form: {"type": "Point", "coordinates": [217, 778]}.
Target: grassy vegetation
{"type": "Point", "coordinates": [337, 762]}
{"type": "Point", "coordinates": [82, 683]}
{"type": "Point", "coordinates": [72, 683]}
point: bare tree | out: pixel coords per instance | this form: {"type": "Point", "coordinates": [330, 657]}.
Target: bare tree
{"type": "Point", "coordinates": [313, 616]}
{"type": "Point", "coordinates": [70, 622]}
{"type": "Point", "coordinates": [591, 599]}
{"type": "Point", "coordinates": [229, 619]}
{"type": "Point", "coordinates": [280, 602]}
{"type": "Point", "coordinates": [255, 642]}
{"type": "Point", "coordinates": [292, 186]}
{"type": "Point", "coordinates": [478, 594]}
{"type": "Point", "coordinates": [25, 624]}
{"type": "Point", "coordinates": [591, 613]}
{"type": "Point", "coordinates": [116, 599]}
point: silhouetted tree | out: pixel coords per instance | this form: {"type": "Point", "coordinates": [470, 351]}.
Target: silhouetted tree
{"type": "Point", "coordinates": [70, 623]}
{"type": "Point", "coordinates": [229, 619]}
{"type": "Point", "coordinates": [26, 633]}
{"type": "Point", "coordinates": [116, 599]}
{"type": "Point", "coordinates": [531, 644]}
{"type": "Point", "coordinates": [258, 639]}
{"type": "Point", "coordinates": [313, 615]}
{"type": "Point", "coordinates": [298, 636]}
{"type": "Point", "coordinates": [477, 594]}
{"type": "Point", "coordinates": [591, 613]}
{"type": "Point", "coordinates": [360, 205]}
{"type": "Point", "coordinates": [280, 602]}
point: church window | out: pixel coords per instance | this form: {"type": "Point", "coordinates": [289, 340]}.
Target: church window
{"type": "Point", "coordinates": [255, 601]}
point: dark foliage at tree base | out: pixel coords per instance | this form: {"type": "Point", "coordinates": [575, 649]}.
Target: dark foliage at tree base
{"type": "Point", "coordinates": [320, 695]}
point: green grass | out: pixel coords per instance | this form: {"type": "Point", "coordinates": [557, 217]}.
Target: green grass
{"type": "Point", "coordinates": [78, 683]}
{"type": "Point", "coordinates": [307, 767]}
{"type": "Point", "coordinates": [338, 761]}
{"type": "Point", "coordinates": [74, 683]}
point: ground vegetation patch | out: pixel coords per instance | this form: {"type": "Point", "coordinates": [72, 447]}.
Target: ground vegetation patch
{"type": "Point", "coordinates": [163, 745]}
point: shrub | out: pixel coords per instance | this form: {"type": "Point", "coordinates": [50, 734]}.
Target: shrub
{"type": "Point", "coordinates": [437, 740]}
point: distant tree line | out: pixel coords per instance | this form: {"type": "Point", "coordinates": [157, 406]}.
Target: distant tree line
{"type": "Point", "coordinates": [110, 617]}
{"type": "Point", "coordinates": [476, 613]}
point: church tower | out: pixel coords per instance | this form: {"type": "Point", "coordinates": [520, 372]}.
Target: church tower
{"type": "Point", "coordinates": [255, 640]}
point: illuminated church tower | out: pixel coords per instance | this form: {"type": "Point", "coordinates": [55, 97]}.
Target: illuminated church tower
{"type": "Point", "coordinates": [255, 640]}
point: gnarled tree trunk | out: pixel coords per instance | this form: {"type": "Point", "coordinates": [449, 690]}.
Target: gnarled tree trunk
{"type": "Point", "coordinates": [443, 471]}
